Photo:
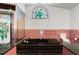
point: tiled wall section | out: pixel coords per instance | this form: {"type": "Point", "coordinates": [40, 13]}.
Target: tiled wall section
{"type": "Point", "coordinates": [20, 24]}
{"type": "Point", "coordinates": [35, 33]}
{"type": "Point", "coordinates": [74, 34]}
{"type": "Point", "coordinates": [20, 28]}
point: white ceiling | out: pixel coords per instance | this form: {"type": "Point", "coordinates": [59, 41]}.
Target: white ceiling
{"type": "Point", "coordinates": [60, 5]}
{"type": "Point", "coordinates": [64, 5]}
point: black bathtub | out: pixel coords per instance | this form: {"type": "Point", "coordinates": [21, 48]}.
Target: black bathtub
{"type": "Point", "coordinates": [39, 47]}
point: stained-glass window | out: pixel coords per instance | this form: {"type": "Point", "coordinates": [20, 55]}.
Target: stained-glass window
{"type": "Point", "coordinates": [5, 29]}
{"type": "Point", "coordinates": [39, 13]}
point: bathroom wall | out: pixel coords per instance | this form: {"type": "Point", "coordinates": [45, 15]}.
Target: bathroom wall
{"type": "Point", "coordinates": [22, 7]}
{"type": "Point", "coordinates": [75, 22]}
{"type": "Point", "coordinates": [58, 18]}
{"type": "Point", "coordinates": [75, 17]}
{"type": "Point", "coordinates": [47, 33]}
{"type": "Point", "coordinates": [58, 21]}
{"type": "Point", "coordinates": [19, 25]}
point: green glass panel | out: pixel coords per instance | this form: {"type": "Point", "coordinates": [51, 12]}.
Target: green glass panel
{"type": "Point", "coordinates": [3, 31]}
{"type": "Point", "coordinates": [39, 13]}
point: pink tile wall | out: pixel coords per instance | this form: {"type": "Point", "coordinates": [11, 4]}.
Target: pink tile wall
{"type": "Point", "coordinates": [74, 34]}
{"type": "Point", "coordinates": [20, 28]}
{"type": "Point", "coordinates": [34, 33]}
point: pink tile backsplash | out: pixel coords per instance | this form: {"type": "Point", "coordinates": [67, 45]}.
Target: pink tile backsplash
{"type": "Point", "coordinates": [35, 33]}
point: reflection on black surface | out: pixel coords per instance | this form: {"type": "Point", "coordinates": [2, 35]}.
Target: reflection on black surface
{"type": "Point", "coordinates": [36, 41]}
{"type": "Point", "coordinates": [39, 47]}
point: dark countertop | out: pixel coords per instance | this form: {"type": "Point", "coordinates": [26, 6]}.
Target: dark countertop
{"type": "Point", "coordinates": [74, 47]}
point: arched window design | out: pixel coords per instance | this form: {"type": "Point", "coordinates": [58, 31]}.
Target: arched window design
{"type": "Point", "coordinates": [39, 13]}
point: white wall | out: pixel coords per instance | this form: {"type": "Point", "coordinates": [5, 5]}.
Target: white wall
{"type": "Point", "coordinates": [75, 17]}
{"type": "Point", "coordinates": [21, 6]}
{"type": "Point", "coordinates": [59, 18]}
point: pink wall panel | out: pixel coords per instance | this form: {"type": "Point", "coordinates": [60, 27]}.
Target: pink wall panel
{"type": "Point", "coordinates": [20, 28]}
{"type": "Point", "coordinates": [74, 34]}
{"type": "Point", "coordinates": [34, 33]}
